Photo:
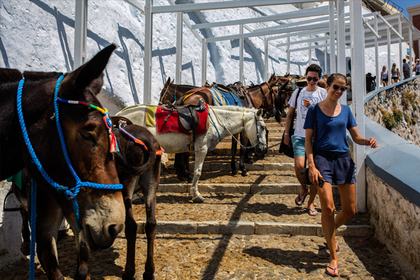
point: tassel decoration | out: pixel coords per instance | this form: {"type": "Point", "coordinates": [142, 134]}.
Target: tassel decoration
{"type": "Point", "coordinates": [113, 145]}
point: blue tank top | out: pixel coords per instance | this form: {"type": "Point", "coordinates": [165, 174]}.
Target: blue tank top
{"type": "Point", "coordinates": [331, 133]}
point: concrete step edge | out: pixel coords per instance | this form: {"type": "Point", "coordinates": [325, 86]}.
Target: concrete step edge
{"type": "Point", "coordinates": [283, 188]}
{"type": "Point", "coordinates": [251, 228]}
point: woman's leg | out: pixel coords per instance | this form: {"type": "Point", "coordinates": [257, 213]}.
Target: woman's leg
{"type": "Point", "coordinates": [327, 220]}
{"type": "Point", "coordinates": [348, 204]}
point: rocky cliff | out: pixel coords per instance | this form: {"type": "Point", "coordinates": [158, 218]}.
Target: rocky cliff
{"type": "Point", "coordinates": [398, 109]}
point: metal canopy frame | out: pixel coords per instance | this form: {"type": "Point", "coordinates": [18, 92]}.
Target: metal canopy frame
{"type": "Point", "coordinates": [329, 21]}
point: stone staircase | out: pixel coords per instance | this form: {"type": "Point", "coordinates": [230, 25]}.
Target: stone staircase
{"type": "Point", "coordinates": [260, 203]}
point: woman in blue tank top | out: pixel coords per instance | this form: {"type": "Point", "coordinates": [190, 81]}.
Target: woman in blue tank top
{"type": "Point", "coordinates": [329, 160]}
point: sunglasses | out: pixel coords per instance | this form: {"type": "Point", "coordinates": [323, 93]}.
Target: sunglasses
{"type": "Point", "coordinates": [312, 78]}
{"type": "Point", "coordinates": [336, 87]}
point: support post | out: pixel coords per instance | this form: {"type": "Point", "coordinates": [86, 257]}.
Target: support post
{"type": "Point", "coordinates": [179, 29]}
{"type": "Point", "coordinates": [400, 58]}
{"type": "Point", "coordinates": [341, 44]}
{"type": "Point", "coordinates": [410, 45]}
{"type": "Point", "coordinates": [332, 38]}
{"type": "Point", "coordinates": [241, 55]}
{"type": "Point", "coordinates": [265, 59]}
{"type": "Point", "coordinates": [358, 90]}
{"type": "Point", "coordinates": [148, 20]}
{"type": "Point", "coordinates": [377, 66]}
{"type": "Point", "coordinates": [288, 54]}
{"type": "Point", "coordinates": [388, 38]}
{"type": "Point", "coordinates": [203, 61]}
{"type": "Point", "coordinates": [80, 33]}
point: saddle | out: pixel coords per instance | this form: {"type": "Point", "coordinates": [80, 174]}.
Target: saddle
{"type": "Point", "coordinates": [187, 115]}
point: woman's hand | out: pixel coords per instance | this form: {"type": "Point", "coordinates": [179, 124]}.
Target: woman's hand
{"type": "Point", "coordinates": [371, 142]}
{"type": "Point", "coordinates": [314, 174]}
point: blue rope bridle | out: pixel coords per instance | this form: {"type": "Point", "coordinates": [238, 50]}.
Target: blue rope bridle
{"type": "Point", "coordinates": [70, 193]}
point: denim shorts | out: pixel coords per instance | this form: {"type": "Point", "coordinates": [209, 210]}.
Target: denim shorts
{"type": "Point", "coordinates": [336, 168]}
{"type": "Point", "coordinates": [298, 144]}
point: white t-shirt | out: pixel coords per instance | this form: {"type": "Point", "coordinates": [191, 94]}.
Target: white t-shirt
{"type": "Point", "coordinates": [314, 96]}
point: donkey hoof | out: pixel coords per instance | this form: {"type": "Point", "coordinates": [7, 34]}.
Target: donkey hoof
{"type": "Point", "coordinates": [198, 199]}
{"type": "Point", "coordinates": [244, 172]}
{"type": "Point", "coordinates": [190, 178]}
{"type": "Point", "coordinates": [234, 172]}
{"type": "Point", "coordinates": [182, 178]}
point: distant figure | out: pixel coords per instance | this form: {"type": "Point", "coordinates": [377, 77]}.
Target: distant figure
{"type": "Point", "coordinates": [370, 82]}
{"type": "Point", "coordinates": [384, 76]}
{"type": "Point", "coordinates": [406, 69]}
{"type": "Point", "coordinates": [322, 83]}
{"type": "Point", "coordinates": [417, 67]}
{"type": "Point", "coordinates": [395, 74]}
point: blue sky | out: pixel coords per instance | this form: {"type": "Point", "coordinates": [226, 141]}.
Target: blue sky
{"type": "Point", "coordinates": [406, 3]}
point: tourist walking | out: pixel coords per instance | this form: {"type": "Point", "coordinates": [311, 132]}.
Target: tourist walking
{"type": "Point", "coordinates": [384, 76]}
{"type": "Point", "coordinates": [417, 67]}
{"type": "Point", "coordinates": [395, 74]}
{"type": "Point", "coordinates": [329, 160]}
{"type": "Point", "coordinates": [311, 94]}
{"type": "Point", "coordinates": [406, 69]}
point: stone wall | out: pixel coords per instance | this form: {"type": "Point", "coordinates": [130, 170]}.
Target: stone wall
{"type": "Point", "coordinates": [397, 223]}
{"type": "Point", "coordinates": [404, 98]}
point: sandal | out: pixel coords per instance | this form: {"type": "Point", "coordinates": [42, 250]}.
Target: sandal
{"type": "Point", "coordinates": [334, 272]}
{"type": "Point", "coordinates": [312, 212]}
{"type": "Point", "coordinates": [301, 199]}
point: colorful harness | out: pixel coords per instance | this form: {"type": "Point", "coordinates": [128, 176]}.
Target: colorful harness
{"type": "Point", "coordinates": [141, 143]}
{"type": "Point", "coordinates": [70, 193]}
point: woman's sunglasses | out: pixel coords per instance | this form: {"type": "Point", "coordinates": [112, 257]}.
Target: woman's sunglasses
{"type": "Point", "coordinates": [312, 78]}
{"type": "Point", "coordinates": [336, 87]}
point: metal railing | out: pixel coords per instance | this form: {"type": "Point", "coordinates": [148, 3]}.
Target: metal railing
{"type": "Point", "coordinates": [394, 5]}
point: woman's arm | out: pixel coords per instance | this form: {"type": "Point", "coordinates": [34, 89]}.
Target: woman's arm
{"type": "Point", "coordinates": [358, 139]}
{"type": "Point", "coordinates": [313, 171]}
{"type": "Point", "coordinates": [289, 119]}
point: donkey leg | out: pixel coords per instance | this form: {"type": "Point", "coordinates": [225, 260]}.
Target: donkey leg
{"type": "Point", "coordinates": [82, 272]}
{"type": "Point", "coordinates": [243, 154]}
{"type": "Point", "coordinates": [26, 235]}
{"type": "Point", "coordinates": [186, 163]}
{"type": "Point", "coordinates": [149, 184]}
{"type": "Point", "coordinates": [49, 217]}
{"type": "Point", "coordinates": [130, 228]}
{"type": "Point", "coordinates": [233, 155]}
{"type": "Point", "coordinates": [200, 155]}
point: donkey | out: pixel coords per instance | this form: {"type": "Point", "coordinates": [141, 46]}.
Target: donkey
{"type": "Point", "coordinates": [138, 165]}
{"type": "Point", "coordinates": [55, 129]}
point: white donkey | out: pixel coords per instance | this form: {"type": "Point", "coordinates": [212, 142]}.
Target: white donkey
{"type": "Point", "coordinates": [225, 121]}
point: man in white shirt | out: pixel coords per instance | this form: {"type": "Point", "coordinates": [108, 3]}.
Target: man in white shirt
{"type": "Point", "coordinates": [311, 94]}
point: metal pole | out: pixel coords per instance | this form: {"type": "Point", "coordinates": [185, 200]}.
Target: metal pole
{"type": "Point", "coordinates": [332, 38]}
{"type": "Point", "coordinates": [265, 59]}
{"type": "Point", "coordinates": [388, 38]}
{"type": "Point", "coordinates": [179, 30]}
{"type": "Point", "coordinates": [288, 54]}
{"type": "Point", "coordinates": [148, 25]}
{"type": "Point", "coordinates": [377, 66]}
{"type": "Point", "coordinates": [310, 53]}
{"type": "Point", "coordinates": [358, 90]}
{"type": "Point", "coordinates": [341, 46]}
{"type": "Point", "coordinates": [80, 31]}
{"type": "Point", "coordinates": [241, 54]}
{"type": "Point", "coordinates": [410, 39]}
{"type": "Point", "coordinates": [400, 50]}
{"type": "Point", "coordinates": [325, 57]}
{"type": "Point", "coordinates": [203, 61]}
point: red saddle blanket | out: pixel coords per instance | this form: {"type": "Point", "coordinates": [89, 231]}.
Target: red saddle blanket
{"type": "Point", "coordinates": [173, 124]}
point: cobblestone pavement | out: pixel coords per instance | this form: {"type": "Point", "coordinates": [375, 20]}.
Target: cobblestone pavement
{"type": "Point", "coordinates": [230, 257]}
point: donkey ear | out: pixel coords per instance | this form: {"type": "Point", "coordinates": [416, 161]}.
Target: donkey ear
{"type": "Point", "coordinates": [260, 112]}
{"type": "Point", "coordinates": [93, 69]}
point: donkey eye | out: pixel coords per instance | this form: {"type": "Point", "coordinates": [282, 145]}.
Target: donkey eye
{"type": "Point", "coordinates": [88, 136]}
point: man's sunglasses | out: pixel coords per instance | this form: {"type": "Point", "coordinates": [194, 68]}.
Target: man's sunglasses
{"type": "Point", "coordinates": [312, 78]}
{"type": "Point", "coordinates": [336, 87]}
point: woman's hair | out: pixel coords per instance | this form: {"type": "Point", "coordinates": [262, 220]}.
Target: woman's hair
{"type": "Point", "coordinates": [334, 77]}
{"type": "Point", "coordinates": [384, 67]}
{"type": "Point", "coordinates": [394, 65]}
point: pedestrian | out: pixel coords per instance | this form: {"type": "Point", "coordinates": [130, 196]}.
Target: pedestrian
{"type": "Point", "coordinates": [395, 74]}
{"type": "Point", "coordinates": [417, 67]}
{"type": "Point", "coordinates": [311, 94]}
{"type": "Point", "coordinates": [329, 160]}
{"type": "Point", "coordinates": [384, 76]}
{"type": "Point", "coordinates": [406, 69]}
